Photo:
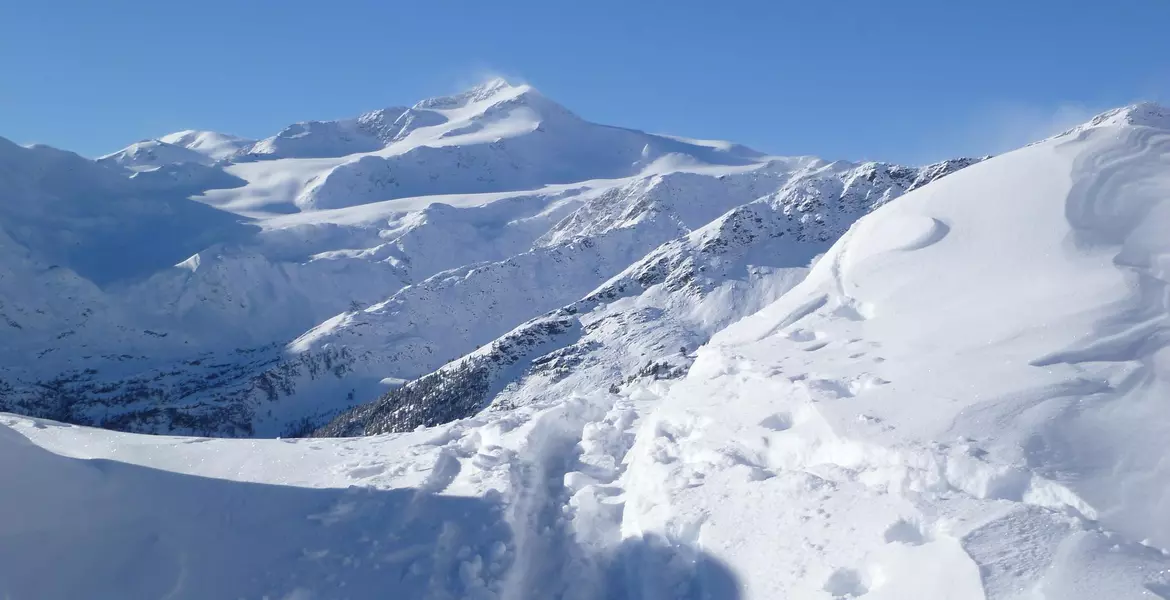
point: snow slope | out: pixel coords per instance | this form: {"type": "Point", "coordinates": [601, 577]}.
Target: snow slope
{"type": "Point", "coordinates": [69, 226]}
{"type": "Point", "coordinates": [95, 221]}
{"type": "Point", "coordinates": [964, 398]}
{"type": "Point", "coordinates": [968, 389]}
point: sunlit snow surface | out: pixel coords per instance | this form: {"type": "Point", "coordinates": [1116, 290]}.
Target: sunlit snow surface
{"type": "Point", "coordinates": [966, 398]}
{"type": "Point", "coordinates": [206, 284]}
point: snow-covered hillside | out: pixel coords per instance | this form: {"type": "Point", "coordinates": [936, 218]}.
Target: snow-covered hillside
{"type": "Point", "coordinates": [971, 384]}
{"type": "Point", "coordinates": [347, 253]}
{"type": "Point", "coordinates": [729, 376]}
{"type": "Point", "coordinates": [645, 320]}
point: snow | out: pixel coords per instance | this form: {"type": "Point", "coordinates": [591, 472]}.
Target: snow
{"type": "Point", "coordinates": [150, 154]}
{"type": "Point", "coordinates": [701, 372]}
{"type": "Point", "coordinates": [453, 516]}
{"type": "Point", "coordinates": [980, 360]}
{"type": "Point", "coordinates": [644, 320]}
{"type": "Point", "coordinates": [369, 231]}
{"type": "Point", "coordinates": [214, 145]}
{"type": "Point", "coordinates": [73, 213]}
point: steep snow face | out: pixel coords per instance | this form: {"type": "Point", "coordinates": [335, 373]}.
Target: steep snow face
{"type": "Point", "coordinates": [970, 383]}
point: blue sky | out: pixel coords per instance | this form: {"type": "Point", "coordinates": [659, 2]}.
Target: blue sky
{"type": "Point", "coordinates": [904, 80]}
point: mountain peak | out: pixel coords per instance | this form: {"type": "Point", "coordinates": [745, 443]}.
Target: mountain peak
{"type": "Point", "coordinates": [1144, 114]}
{"type": "Point", "coordinates": [496, 87]}
{"type": "Point", "coordinates": [1141, 114]}
{"type": "Point", "coordinates": [491, 86]}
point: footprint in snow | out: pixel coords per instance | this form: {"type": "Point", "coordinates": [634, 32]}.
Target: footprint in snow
{"type": "Point", "coordinates": [804, 335]}
{"type": "Point", "coordinates": [845, 583]}
{"type": "Point", "coordinates": [777, 422]}
{"type": "Point", "coordinates": [905, 532]}
{"type": "Point", "coordinates": [829, 387]}
{"type": "Point", "coordinates": [865, 382]}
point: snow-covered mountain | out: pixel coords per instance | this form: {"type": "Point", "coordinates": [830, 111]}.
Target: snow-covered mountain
{"type": "Point", "coordinates": [824, 391]}
{"type": "Point", "coordinates": [645, 320]}
{"type": "Point", "coordinates": [350, 253]}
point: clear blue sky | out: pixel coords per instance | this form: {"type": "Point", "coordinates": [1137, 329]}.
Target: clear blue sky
{"type": "Point", "coordinates": [909, 80]}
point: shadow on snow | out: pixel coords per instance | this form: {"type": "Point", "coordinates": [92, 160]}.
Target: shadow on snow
{"type": "Point", "coordinates": [100, 529]}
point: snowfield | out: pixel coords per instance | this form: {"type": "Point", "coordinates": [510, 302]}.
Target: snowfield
{"type": "Point", "coordinates": [729, 376]}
